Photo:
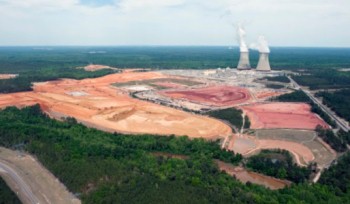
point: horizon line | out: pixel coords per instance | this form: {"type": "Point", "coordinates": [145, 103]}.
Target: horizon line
{"type": "Point", "coordinates": [228, 46]}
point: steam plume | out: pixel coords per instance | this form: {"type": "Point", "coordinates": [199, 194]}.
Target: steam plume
{"type": "Point", "coordinates": [241, 35]}
{"type": "Point", "coordinates": [262, 46]}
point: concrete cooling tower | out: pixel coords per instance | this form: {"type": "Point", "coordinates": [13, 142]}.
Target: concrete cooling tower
{"type": "Point", "coordinates": [264, 64]}
{"type": "Point", "coordinates": [244, 61]}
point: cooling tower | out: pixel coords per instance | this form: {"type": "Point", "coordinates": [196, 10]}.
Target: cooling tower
{"type": "Point", "coordinates": [244, 61]}
{"type": "Point", "coordinates": [263, 64]}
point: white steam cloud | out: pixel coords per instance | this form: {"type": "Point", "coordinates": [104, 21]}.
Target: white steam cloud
{"type": "Point", "coordinates": [241, 38]}
{"type": "Point", "coordinates": [262, 45]}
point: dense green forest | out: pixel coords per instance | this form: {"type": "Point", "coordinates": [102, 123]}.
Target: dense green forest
{"type": "Point", "coordinates": [196, 57]}
{"type": "Point", "coordinates": [231, 115]}
{"type": "Point", "coordinates": [35, 64]}
{"type": "Point", "coordinates": [333, 140]}
{"type": "Point", "coordinates": [7, 196]}
{"type": "Point", "coordinates": [324, 79]}
{"type": "Point", "coordinates": [300, 96]}
{"type": "Point", "coordinates": [296, 96]}
{"type": "Point", "coordinates": [338, 175]}
{"type": "Point", "coordinates": [338, 101]}
{"type": "Point", "coordinates": [282, 79]}
{"type": "Point", "coordinates": [279, 164]}
{"type": "Point", "coordinates": [113, 168]}
{"type": "Point", "coordinates": [274, 86]}
{"type": "Point", "coordinates": [345, 136]}
{"type": "Point", "coordinates": [24, 81]}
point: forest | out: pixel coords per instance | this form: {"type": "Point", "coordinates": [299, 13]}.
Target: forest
{"type": "Point", "coordinates": [231, 115]}
{"type": "Point", "coordinates": [296, 96]}
{"type": "Point", "coordinates": [282, 79]}
{"type": "Point", "coordinates": [338, 175]}
{"type": "Point", "coordinates": [7, 196]}
{"type": "Point", "coordinates": [332, 139]}
{"type": "Point", "coordinates": [324, 79]}
{"type": "Point", "coordinates": [165, 57]}
{"type": "Point", "coordinates": [338, 101]}
{"type": "Point", "coordinates": [279, 164]}
{"type": "Point", "coordinates": [24, 81]}
{"type": "Point", "coordinates": [102, 167]}
{"type": "Point", "coordinates": [36, 64]}
{"type": "Point", "coordinates": [274, 86]}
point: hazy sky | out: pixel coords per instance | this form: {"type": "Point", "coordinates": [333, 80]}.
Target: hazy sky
{"type": "Point", "coordinates": [174, 22]}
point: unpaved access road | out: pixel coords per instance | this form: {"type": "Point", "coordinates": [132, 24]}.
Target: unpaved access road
{"type": "Point", "coordinates": [31, 181]}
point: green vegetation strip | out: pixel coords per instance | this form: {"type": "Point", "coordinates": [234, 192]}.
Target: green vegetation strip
{"type": "Point", "coordinates": [338, 101]}
{"type": "Point", "coordinates": [232, 116]}
{"type": "Point", "coordinates": [282, 79]}
{"type": "Point", "coordinates": [324, 79]}
{"type": "Point", "coordinates": [25, 80]}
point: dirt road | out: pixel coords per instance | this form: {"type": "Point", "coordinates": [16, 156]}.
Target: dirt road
{"type": "Point", "coordinates": [31, 181]}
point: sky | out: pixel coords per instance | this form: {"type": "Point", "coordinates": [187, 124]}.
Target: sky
{"type": "Point", "coordinates": [311, 23]}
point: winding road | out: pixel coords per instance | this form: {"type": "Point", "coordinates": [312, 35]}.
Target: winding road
{"type": "Point", "coordinates": [24, 191]}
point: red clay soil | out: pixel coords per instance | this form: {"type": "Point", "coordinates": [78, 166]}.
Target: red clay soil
{"type": "Point", "coordinates": [245, 176]}
{"type": "Point", "coordinates": [267, 94]}
{"type": "Point", "coordinates": [282, 115]}
{"type": "Point", "coordinates": [215, 95]}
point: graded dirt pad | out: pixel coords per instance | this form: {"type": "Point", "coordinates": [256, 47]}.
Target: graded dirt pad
{"type": "Point", "coordinates": [96, 67]}
{"type": "Point", "coordinates": [7, 76]}
{"type": "Point", "coordinates": [323, 153]}
{"type": "Point", "coordinates": [215, 95]}
{"type": "Point", "coordinates": [245, 176]}
{"type": "Point", "coordinates": [25, 175]}
{"type": "Point", "coordinates": [267, 94]}
{"type": "Point", "coordinates": [282, 115]}
{"type": "Point", "coordinates": [112, 109]}
{"type": "Point", "coordinates": [250, 145]}
{"type": "Point", "coordinates": [302, 154]}
{"type": "Point", "coordinates": [304, 145]}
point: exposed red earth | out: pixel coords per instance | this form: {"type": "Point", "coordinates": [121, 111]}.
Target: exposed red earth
{"type": "Point", "coordinates": [96, 103]}
{"type": "Point", "coordinates": [282, 115]}
{"type": "Point", "coordinates": [248, 176]}
{"type": "Point", "coordinates": [267, 94]}
{"type": "Point", "coordinates": [214, 95]}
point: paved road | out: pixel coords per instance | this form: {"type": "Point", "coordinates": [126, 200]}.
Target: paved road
{"type": "Point", "coordinates": [24, 189]}
{"type": "Point", "coordinates": [339, 122]}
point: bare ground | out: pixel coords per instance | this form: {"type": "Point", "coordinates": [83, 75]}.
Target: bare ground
{"type": "Point", "coordinates": [45, 187]}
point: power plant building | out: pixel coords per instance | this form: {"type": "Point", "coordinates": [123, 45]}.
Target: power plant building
{"type": "Point", "coordinates": [264, 63]}
{"type": "Point", "coordinates": [244, 63]}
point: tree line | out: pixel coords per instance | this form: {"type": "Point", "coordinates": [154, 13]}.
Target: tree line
{"type": "Point", "coordinates": [231, 115]}
{"type": "Point", "coordinates": [101, 167]}
{"type": "Point", "coordinates": [279, 163]}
